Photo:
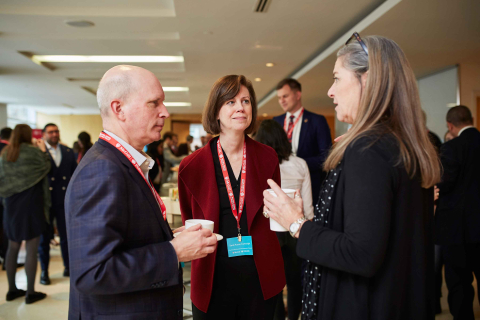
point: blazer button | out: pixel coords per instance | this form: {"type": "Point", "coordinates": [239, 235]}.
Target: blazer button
{"type": "Point", "coordinates": [63, 188]}
{"type": "Point", "coordinates": [64, 178]}
{"type": "Point", "coordinates": [53, 178]}
{"type": "Point", "coordinates": [50, 188]}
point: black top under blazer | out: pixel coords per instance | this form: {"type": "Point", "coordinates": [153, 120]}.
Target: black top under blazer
{"type": "Point", "coordinates": [377, 253]}
{"type": "Point", "coordinates": [457, 218]}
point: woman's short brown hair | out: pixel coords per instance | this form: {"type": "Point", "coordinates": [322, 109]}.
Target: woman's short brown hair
{"type": "Point", "coordinates": [224, 89]}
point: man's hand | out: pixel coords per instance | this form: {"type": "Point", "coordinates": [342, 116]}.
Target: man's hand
{"type": "Point", "coordinates": [194, 243]}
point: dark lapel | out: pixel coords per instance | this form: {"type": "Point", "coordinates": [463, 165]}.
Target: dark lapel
{"type": "Point", "coordinates": [306, 122]}
{"type": "Point", "coordinates": [199, 177]}
{"type": "Point", "coordinates": [137, 178]}
{"type": "Point", "coordinates": [259, 170]}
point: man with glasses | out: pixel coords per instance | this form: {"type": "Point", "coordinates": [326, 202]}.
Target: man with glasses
{"type": "Point", "coordinates": [63, 165]}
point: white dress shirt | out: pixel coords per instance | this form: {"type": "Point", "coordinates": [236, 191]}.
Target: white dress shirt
{"type": "Point", "coordinates": [139, 157]}
{"type": "Point", "coordinates": [296, 129]}
{"type": "Point", "coordinates": [56, 153]}
{"type": "Point", "coordinates": [295, 175]}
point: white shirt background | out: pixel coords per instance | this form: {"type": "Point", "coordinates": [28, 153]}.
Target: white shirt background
{"type": "Point", "coordinates": [56, 153]}
{"type": "Point", "coordinates": [295, 175]}
{"type": "Point", "coordinates": [296, 129]}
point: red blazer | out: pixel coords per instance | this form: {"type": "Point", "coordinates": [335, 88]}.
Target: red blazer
{"type": "Point", "coordinates": [199, 199]}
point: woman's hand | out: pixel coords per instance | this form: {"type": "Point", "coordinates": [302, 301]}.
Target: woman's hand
{"type": "Point", "coordinates": [40, 144]}
{"type": "Point", "coordinates": [282, 208]}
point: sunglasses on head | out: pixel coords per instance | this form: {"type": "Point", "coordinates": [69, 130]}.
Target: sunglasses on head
{"type": "Point", "coordinates": [356, 36]}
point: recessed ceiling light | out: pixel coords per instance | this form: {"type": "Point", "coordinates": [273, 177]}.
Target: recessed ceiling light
{"type": "Point", "coordinates": [175, 89]}
{"type": "Point", "coordinates": [177, 104]}
{"type": "Point", "coordinates": [116, 59]}
{"type": "Point", "coordinates": [265, 115]}
{"type": "Point", "coordinates": [258, 79]}
{"type": "Point", "coordinates": [269, 64]}
{"type": "Point", "coordinates": [79, 23]}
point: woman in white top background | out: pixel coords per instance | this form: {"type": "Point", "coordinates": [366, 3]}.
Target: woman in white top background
{"type": "Point", "coordinates": [294, 175]}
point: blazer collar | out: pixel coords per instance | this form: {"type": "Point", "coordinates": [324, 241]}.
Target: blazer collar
{"type": "Point", "coordinates": [199, 177]}
{"type": "Point", "coordinates": [139, 180]}
{"type": "Point", "coordinates": [306, 122]}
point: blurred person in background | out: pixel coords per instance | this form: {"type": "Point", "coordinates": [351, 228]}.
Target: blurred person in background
{"type": "Point", "coordinates": [24, 187]}
{"type": "Point", "coordinates": [448, 136]}
{"type": "Point", "coordinates": [155, 151]}
{"type": "Point", "coordinates": [457, 218]}
{"type": "Point", "coordinates": [308, 132]}
{"type": "Point", "coordinates": [295, 175]}
{"type": "Point", "coordinates": [63, 164]}
{"type": "Point", "coordinates": [169, 157]}
{"type": "Point", "coordinates": [184, 149]}
{"type": "Point", "coordinates": [85, 143]}
{"type": "Point", "coordinates": [4, 137]}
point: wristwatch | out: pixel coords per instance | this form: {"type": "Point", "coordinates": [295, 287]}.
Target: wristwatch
{"type": "Point", "coordinates": [293, 229]}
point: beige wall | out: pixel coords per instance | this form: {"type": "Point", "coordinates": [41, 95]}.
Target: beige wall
{"type": "Point", "coordinates": [470, 87]}
{"type": "Point", "coordinates": [71, 125]}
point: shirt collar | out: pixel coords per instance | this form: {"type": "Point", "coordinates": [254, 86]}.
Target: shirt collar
{"type": "Point", "coordinates": [49, 147]}
{"type": "Point", "coordinates": [140, 158]}
{"type": "Point", "coordinates": [465, 128]}
{"type": "Point", "coordinates": [296, 114]}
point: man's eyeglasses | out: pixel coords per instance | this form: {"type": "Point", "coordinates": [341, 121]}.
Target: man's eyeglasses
{"type": "Point", "coordinates": [356, 36]}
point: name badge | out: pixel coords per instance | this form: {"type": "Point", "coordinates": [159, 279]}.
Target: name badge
{"type": "Point", "coordinates": [237, 248]}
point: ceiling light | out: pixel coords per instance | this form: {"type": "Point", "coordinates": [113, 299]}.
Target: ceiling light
{"type": "Point", "coordinates": [269, 64]}
{"type": "Point", "coordinates": [137, 59]}
{"type": "Point", "coordinates": [258, 79]}
{"type": "Point", "coordinates": [265, 115]}
{"type": "Point", "coordinates": [79, 23]}
{"type": "Point", "coordinates": [177, 104]}
{"type": "Point", "coordinates": [175, 89]}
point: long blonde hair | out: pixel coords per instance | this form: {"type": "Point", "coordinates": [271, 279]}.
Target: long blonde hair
{"type": "Point", "coordinates": [389, 103]}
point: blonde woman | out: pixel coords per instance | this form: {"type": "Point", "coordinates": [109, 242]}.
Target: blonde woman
{"type": "Point", "coordinates": [370, 245]}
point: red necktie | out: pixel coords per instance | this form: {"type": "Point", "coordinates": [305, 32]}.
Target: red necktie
{"type": "Point", "coordinates": [290, 125]}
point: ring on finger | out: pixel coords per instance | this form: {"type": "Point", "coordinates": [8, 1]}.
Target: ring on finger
{"type": "Point", "coordinates": [265, 214]}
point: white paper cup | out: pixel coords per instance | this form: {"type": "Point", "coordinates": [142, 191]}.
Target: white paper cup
{"type": "Point", "coordinates": [207, 224]}
{"type": "Point", "coordinates": [274, 225]}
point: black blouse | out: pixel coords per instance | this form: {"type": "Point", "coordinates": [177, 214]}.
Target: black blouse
{"type": "Point", "coordinates": [227, 222]}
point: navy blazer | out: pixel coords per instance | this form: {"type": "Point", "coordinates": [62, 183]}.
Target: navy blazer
{"type": "Point", "coordinates": [457, 218]}
{"type": "Point", "coordinates": [59, 177]}
{"type": "Point", "coordinates": [313, 146]}
{"type": "Point", "coordinates": [122, 264]}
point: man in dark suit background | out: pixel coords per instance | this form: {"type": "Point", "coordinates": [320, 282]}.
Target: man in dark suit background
{"type": "Point", "coordinates": [310, 136]}
{"type": "Point", "coordinates": [64, 164]}
{"type": "Point", "coordinates": [124, 262]}
{"type": "Point", "coordinates": [457, 218]}
{"type": "Point", "coordinates": [4, 137]}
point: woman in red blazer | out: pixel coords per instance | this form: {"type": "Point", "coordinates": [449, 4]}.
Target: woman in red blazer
{"type": "Point", "coordinates": [226, 286]}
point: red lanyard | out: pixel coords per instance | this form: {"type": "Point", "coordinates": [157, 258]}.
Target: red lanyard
{"type": "Point", "coordinates": [285, 127]}
{"type": "Point", "coordinates": [241, 201]}
{"type": "Point", "coordinates": [4, 141]}
{"type": "Point", "coordinates": [104, 136]}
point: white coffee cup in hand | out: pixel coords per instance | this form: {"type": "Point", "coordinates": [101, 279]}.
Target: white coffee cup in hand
{"type": "Point", "coordinates": [274, 225]}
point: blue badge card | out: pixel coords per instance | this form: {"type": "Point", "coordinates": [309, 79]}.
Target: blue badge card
{"type": "Point", "coordinates": [237, 249]}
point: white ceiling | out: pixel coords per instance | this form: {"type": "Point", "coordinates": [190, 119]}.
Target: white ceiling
{"type": "Point", "coordinates": [216, 37]}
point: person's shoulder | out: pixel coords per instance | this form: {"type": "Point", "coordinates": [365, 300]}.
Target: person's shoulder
{"type": "Point", "coordinates": [192, 158]}
{"type": "Point", "coordinates": [98, 158]}
{"type": "Point", "coordinates": [383, 146]}
{"type": "Point", "coordinates": [313, 115]}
